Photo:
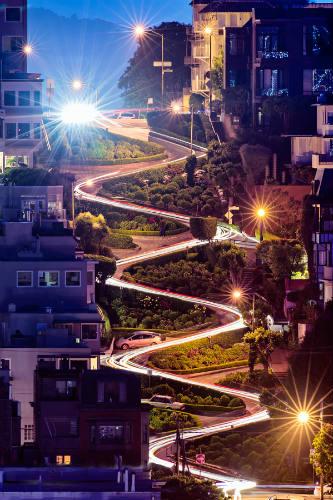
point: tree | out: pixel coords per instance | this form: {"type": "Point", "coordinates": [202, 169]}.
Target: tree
{"type": "Point", "coordinates": [91, 230]}
{"type": "Point", "coordinates": [197, 101]}
{"type": "Point", "coordinates": [141, 80]}
{"type": "Point", "coordinates": [105, 269]}
{"type": "Point", "coordinates": [190, 166]}
{"type": "Point", "coordinates": [190, 488]}
{"type": "Point", "coordinates": [262, 343]}
{"type": "Point", "coordinates": [322, 457]}
{"type": "Point", "coordinates": [203, 228]}
{"type": "Point", "coordinates": [282, 257]}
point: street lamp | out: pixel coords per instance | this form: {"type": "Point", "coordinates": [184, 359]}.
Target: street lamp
{"type": "Point", "coordinates": [237, 294]}
{"type": "Point", "coordinates": [176, 108]}
{"type": "Point", "coordinates": [261, 214]}
{"type": "Point", "coordinates": [27, 49]}
{"type": "Point", "coordinates": [139, 32]}
{"type": "Point", "coordinates": [78, 85]}
{"type": "Point", "coordinates": [303, 417]}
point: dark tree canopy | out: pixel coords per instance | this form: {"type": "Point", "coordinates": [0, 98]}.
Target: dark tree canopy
{"type": "Point", "coordinates": [141, 80]}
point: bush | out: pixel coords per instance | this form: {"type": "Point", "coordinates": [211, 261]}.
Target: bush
{"type": "Point", "coordinates": [166, 420]}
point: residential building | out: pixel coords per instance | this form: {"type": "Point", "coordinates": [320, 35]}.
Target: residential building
{"type": "Point", "coordinates": [88, 417]}
{"type": "Point", "coordinates": [271, 50]}
{"type": "Point", "coordinates": [316, 149]}
{"type": "Point", "coordinates": [10, 429]}
{"type": "Point", "coordinates": [322, 236]}
{"type": "Point", "coordinates": [21, 122]}
{"type": "Point", "coordinates": [47, 290]}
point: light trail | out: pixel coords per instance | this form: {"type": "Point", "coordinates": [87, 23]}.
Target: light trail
{"type": "Point", "coordinates": [127, 360]}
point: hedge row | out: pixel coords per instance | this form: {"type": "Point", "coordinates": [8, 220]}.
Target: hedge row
{"type": "Point", "coordinates": [124, 161]}
{"type": "Point", "coordinates": [139, 232]}
{"type": "Point", "coordinates": [193, 408]}
{"type": "Point", "coordinates": [229, 364]}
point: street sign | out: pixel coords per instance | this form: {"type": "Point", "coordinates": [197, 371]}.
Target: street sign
{"type": "Point", "coordinates": [229, 215]}
{"type": "Point", "coordinates": [200, 458]}
{"type": "Point", "coordinates": [159, 64]}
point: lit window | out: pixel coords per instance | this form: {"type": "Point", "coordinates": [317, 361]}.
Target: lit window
{"type": "Point", "coordinates": [73, 278]}
{"type": "Point", "coordinates": [13, 14]}
{"type": "Point", "coordinates": [89, 331]}
{"type": "Point", "coordinates": [29, 433]}
{"type": "Point", "coordinates": [59, 460]}
{"type": "Point", "coordinates": [63, 459]}
{"type": "Point", "coordinates": [24, 279]}
{"type": "Point", "coordinates": [48, 279]}
{"type": "Point", "coordinates": [111, 433]}
{"type": "Point", "coordinates": [67, 460]}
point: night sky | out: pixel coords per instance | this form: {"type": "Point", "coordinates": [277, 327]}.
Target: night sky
{"type": "Point", "coordinates": [120, 10]}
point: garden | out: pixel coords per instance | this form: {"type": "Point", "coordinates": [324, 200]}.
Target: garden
{"type": "Point", "coordinates": [169, 188]}
{"type": "Point", "coordinates": [210, 268]}
{"type": "Point", "coordinates": [129, 309]}
{"type": "Point", "coordinates": [262, 456]}
{"type": "Point", "coordinates": [96, 145]}
{"type": "Point", "coordinates": [161, 420]}
{"type": "Point", "coordinates": [223, 351]}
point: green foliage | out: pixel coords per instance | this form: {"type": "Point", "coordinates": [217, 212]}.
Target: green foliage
{"type": "Point", "coordinates": [197, 101]}
{"type": "Point", "coordinates": [236, 101]}
{"type": "Point", "coordinates": [283, 258]}
{"type": "Point", "coordinates": [190, 166]}
{"type": "Point", "coordinates": [150, 312]}
{"type": "Point", "coordinates": [243, 380]}
{"type": "Point", "coordinates": [259, 456]}
{"type": "Point", "coordinates": [96, 237]}
{"type": "Point", "coordinates": [322, 458]}
{"type": "Point", "coordinates": [203, 228]}
{"type": "Point", "coordinates": [200, 354]}
{"type": "Point", "coordinates": [141, 80]}
{"type": "Point", "coordinates": [166, 420]}
{"type": "Point", "coordinates": [190, 488]}
{"type": "Point", "coordinates": [262, 343]}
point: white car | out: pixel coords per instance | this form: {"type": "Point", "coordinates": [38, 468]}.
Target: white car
{"type": "Point", "coordinates": [138, 339]}
{"type": "Point", "coordinates": [162, 401]}
{"type": "Point", "coordinates": [130, 116]}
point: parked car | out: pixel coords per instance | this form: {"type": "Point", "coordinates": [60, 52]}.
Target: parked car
{"type": "Point", "coordinates": [162, 401]}
{"type": "Point", "coordinates": [130, 116]}
{"type": "Point", "coordinates": [138, 339]}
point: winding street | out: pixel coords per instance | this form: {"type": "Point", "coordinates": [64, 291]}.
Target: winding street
{"type": "Point", "coordinates": [128, 360]}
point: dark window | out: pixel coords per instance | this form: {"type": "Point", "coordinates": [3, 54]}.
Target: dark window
{"type": "Point", "coordinates": [63, 427]}
{"type": "Point", "coordinates": [13, 14]}
{"type": "Point", "coordinates": [4, 364]}
{"type": "Point", "coordinates": [66, 389]}
{"type": "Point", "coordinates": [90, 278]}
{"type": "Point", "coordinates": [73, 278]}
{"type": "Point", "coordinates": [24, 130]}
{"type": "Point", "coordinates": [108, 434]}
{"type": "Point", "coordinates": [268, 40]}
{"type": "Point", "coordinates": [16, 43]}
{"type": "Point", "coordinates": [37, 134]}
{"type": "Point", "coordinates": [24, 98]}
{"type": "Point", "coordinates": [89, 331]}
{"type": "Point", "coordinates": [10, 130]}
{"type": "Point", "coordinates": [9, 98]}
{"type": "Point", "coordinates": [37, 98]}
{"type": "Point", "coordinates": [24, 279]}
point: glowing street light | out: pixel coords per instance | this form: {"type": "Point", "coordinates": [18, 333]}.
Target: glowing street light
{"type": "Point", "coordinates": [176, 108]}
{"type": "Point", "coordinates": [208, 30]}
{"type": "Point", "coordinates": [237, 294]}
{"type": "Point", "coordinates": [261, 213]}
{"type": "Point", "coordinates": [303, 417]}
{"type": "Point", "coordinates": [77, 85]}
{"type": "Point", "coordinates": [139, 30]}
{"type": "Point", "coordinates": [78, 113]}
{"type": "Point", "coordinates": [27, 49]}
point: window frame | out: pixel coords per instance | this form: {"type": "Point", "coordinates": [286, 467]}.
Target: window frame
{"type": "Point", "coordinates": [32, 279]}
{"type": "Point", "coordinates": [23, 135]}
{"type": "Point", "coordinates": [49, 271]}
{"type": "Point", "coordinates": [9, 93]}
{"type": "Point", "coordinates": [25, 100]}
{"type": "Point", "coordinates": [73, 286]}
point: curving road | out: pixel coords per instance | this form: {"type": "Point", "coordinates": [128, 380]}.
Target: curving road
{"type": "Point", "coordinates": [128, 360]}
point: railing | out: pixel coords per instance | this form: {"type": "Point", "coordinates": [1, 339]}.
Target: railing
{"type": "Point", "coordinates": [273, 54]}
{"type": "Point", "coordinates": [269, 92]}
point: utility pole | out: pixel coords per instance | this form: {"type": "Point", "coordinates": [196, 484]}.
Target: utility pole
{"type": "Point", "coordinates": [321, 428]}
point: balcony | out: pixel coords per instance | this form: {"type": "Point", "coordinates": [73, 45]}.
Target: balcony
{"type": "Point", "coordinates": [277, 55]}
{"type": "Point", "coordinates": [269, 92]}
{"type": "Point", "coordinates": [322, 161]}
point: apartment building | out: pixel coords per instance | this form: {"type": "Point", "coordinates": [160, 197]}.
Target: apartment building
{"type": "Point", "coordinates": [88, 417]}
{"type": "Point", "coordinates": [10, 418]}
{"type": "Point", "coordinates": [271, 50]}
{"type": "Point", "coordinates": [21, 122]}
{"type": "Point", "coordinates": [47, 289]}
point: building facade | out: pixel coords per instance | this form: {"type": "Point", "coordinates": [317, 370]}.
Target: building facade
{"type": "Point", "coordinates": [47, 290]}
{"type": "Point", "coordinates": [271, 51]}
{"type": "Point", "coordinates": [10, 418]}
{"type": "Point", "coordinates": [21, 124]}
{"type": "Point", "coordinates": [89, 417]}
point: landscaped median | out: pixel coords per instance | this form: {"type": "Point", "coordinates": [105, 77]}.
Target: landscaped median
{"type": "Point", "coordinates": [204, 369]}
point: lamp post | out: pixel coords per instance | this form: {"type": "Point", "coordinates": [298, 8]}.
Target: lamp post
{"type": "Point", "coordinates": [261, 214]}
{"type": "Point", "coordinates": [237, 295]}
{"type": "Point", "coordinates": [177, 108]}
{"type": "Point", "coordinates": [140, 31]}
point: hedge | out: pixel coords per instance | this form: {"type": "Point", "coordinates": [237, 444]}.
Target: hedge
{"type": "Point", "coordinates": [139, 232]}
{"type": "Point", "coordinates": [190, 408]}
{"type": "Point", "coordinates": [229, 364]}
{"type": "Point", "coordinates": [124, 161]}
